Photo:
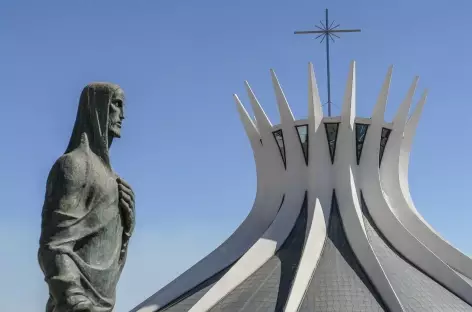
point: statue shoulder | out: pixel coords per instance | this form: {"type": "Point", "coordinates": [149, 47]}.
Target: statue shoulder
{"type": "Point", "coordinates": [71, 168]}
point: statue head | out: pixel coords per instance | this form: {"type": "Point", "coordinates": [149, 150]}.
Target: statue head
{"type": "Point", "coordinates": [116, 113]}
{"type": "Point", "coordinates": [99, 118]}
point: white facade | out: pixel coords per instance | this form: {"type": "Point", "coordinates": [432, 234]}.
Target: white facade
{"type": "Point", "coordinates": [286, 177]}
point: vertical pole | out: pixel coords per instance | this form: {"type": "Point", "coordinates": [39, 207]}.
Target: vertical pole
{"type": "Point", "coordinates": [327, 62]}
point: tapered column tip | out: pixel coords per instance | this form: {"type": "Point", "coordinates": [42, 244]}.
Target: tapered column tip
{"type": "Point", "coordinates": [424, 96]}
{"type": "Point", "coordinates": [248, 87]}
{"type": "Point", "coordinates": [237, 100]}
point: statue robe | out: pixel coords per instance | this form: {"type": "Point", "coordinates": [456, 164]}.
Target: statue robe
{"type": "Point", "coordinates": [82, 231]}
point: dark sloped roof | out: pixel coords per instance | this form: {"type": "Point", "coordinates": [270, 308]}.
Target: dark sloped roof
{"type": "Point", "coordinates": [187, 300]}
{"type": "Point", "coordinates": [339, 282]}
{"type": "Point", "coordinates": [417, 291]}
{"type": "Point", "coordinates": [268, 288]}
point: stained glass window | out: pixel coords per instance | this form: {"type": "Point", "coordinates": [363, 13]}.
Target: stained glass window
{"type": "Point", "coordinates": [361, 131]}
{"type": "Point", "coordinates": [383, 142]}
{"type": "Point", "coordinates": [332, 134]}
{"type": "Point", "coordinates": [279, 138]}
{"type": "Point", "coordinates": [303, 136]}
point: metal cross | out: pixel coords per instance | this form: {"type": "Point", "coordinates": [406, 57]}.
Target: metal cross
{"type": "Point", "coordinates": [326, 32]}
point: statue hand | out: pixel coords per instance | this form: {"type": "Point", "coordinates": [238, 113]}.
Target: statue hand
{"type": "Point", "coordinates": [83, 307]}
{"type": "Point", "coordinates": [126, 204]}
{"type": "Point", "coordinates": [76, 303]}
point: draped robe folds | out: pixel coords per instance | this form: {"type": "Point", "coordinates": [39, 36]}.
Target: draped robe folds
{"type": "Point", "coordinates": [82, 229]}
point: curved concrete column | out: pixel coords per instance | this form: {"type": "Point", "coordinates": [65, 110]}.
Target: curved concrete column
{"type": "Point", "coordinates": [320, 188]}
{"type": "Point", "coordinates": [348, 199]}
{"type": "Point", "coordinates": [381, 208]}
{"type": "Point", "coordinates": [397, 188]}
{"type": "Point", "coordinates": [292, 180]}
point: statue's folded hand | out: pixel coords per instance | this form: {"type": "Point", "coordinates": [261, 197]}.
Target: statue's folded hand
{"type": "Point", "coordinates": [126, 197]}
{"type": "Point", "coordinates": [79, 304]}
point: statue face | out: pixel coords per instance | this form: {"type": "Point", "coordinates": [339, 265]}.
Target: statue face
{"type": "Point", "coordinates": [116, 113]}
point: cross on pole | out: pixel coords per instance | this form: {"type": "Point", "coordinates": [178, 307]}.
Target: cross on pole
{"type": "Point", "coordinates": [326, 32]}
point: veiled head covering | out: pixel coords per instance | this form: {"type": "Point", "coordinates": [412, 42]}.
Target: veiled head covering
{"type": "Point", "coordinates": [91, 124]}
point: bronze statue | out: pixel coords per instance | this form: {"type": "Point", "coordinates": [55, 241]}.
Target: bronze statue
{"type": "Point", "coordinates": [88, 212]}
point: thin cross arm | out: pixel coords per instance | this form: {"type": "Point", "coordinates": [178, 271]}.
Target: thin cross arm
{"type": "Point", "coordinates": [325, 31]}
{"type": "Point", "coordinates": [310, 32]}
{"type": "Point", "coordinates": [345, 30]}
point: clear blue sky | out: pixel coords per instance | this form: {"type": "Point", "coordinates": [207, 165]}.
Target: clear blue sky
{"type": "Point", "coordinates": [183, 148]}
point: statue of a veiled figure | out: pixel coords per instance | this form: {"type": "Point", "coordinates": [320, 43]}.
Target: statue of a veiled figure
{"type": "Point", "coordinates": [88, 212]}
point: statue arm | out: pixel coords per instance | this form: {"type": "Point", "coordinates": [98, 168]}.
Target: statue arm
{"type": "Point", "coordinates": [61, 209]}
{"type": "Point", "coordinates": [64, 192]}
